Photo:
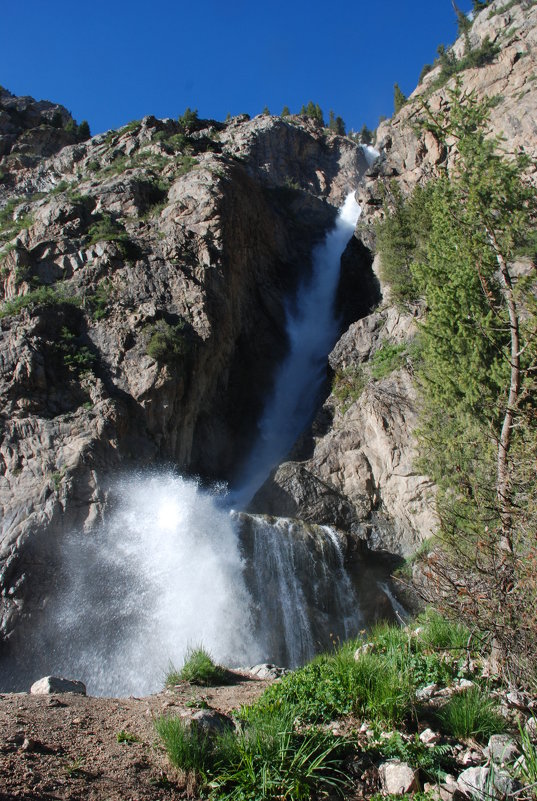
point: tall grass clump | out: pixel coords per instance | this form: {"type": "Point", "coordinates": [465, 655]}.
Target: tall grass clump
{"type": "Point", "coordinates": [438, 632]}
{"type": "Point", "coordinates": [266, 759]}
{"type": "Point", "coordinates": [188, 747]}
{"type": "Point", "coordinates": [527, 770]}
{"type": "Point", "coordinates": [472, 713]}
{"type": "Point", "coordinates": [199, 668]}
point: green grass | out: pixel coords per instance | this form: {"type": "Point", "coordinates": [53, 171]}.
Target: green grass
{"type": "Point", "coordinates": [440, 633]}
{"type": "Point", "coordinates": [387, 359]}
{"type": "Point", "coordinates": [472, 713]}
{"type": "Point", "coordinates": [199, 668]}
{"type": "Point", "coordinates": [43, 296]}
{"type": "Point", "coordinates": [528, 766]}
{"type": "Point", "coordinates": [106, 230]}
{"type": "Point", "coordinates": [266, 759]}
{"type": "Point", "coordinates": [348, 384]}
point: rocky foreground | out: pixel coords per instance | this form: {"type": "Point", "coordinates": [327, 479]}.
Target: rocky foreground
{"type": "Point", "coordinates": [73, 746]}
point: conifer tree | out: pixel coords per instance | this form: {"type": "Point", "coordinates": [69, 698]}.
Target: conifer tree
{"type": "Point", "coordinates": [285, 112]}
{"type": "Point", "coordinates": [399, 99]}
{"type": "Point", "coordinates": [479, 356]}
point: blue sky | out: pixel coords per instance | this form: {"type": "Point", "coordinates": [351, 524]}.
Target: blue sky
{"type": "Point", "coordinates": [111, 61]}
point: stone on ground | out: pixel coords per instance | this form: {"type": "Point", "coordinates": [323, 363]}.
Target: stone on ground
{"type": "Point", "coordinates": [55, 684]}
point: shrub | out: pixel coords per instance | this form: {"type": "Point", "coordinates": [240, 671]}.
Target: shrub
{"type": "Point", "coordinates": [348, 384]}
{"type": "Point", "coordinates": [106, 230]}
{"type": "Point", "coordinates": [78, 358]}
{"type": "Point", "coordinates": [167, 343]}
{"type": "Point", "coordinates": [387, 359]}
{"type": "Point", "coordinates": [434, 760]}
{"type": "Point", "coordinates": [43, 296]}
{"type": "Point", "coordinates": [100, 299]}
{"type": "Point", "coordinates": [472, 713]}
{"type": "Point", "coordinates": [199, 668]}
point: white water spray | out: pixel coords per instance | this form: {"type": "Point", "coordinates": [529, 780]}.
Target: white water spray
{"type": "Point", "coordinates": [164, 572]}
{"type": "Point", "coordinates": [312, 329]}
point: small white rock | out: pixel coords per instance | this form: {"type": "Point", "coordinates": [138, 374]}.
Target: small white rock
{"type": "Point", "coordinates": [429, 737]}
{"type": "Point", "coordinates": [424, 693]}
{"type": "Point", "coordinates": [55, 684]}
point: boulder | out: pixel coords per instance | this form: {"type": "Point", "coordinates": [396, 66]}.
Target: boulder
{"type": "Point", "coordinates": [55, 684]}
{"type": "Point", "coordinates": [502, 749]}
{"type": "Point", "coordinates": [267, 671]}
{"type": "Point", "coordinates": [483, 783]}
{"type": "Point", "coordinates": [211, 722]}
{"type": "Point", "coordinates": [397, 777]}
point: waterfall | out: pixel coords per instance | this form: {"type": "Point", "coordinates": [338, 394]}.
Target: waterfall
{"type": "Point", "coordinates": [171, 567]}
{"type": "Point", "coordinates": [306, 601]}
{"type": "Point", "coordinates": [371, 154]}
{"type": "Point", "coordinates": [312, 329]}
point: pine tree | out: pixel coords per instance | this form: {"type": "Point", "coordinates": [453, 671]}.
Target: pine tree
{"type": "Point", "coordinates": [399, 99]}
{"type": "Point", "coordinates": [478, 361]}
{"type": "Point", "coordinates": [83, 131]}
{"type": "Point", "coordinates": [366, 135]}
{"type": "Point", "coordinates": [285, 112]}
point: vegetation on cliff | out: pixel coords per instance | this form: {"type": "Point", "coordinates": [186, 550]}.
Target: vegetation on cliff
{"type": "Point", "coordinates": [453, 247]}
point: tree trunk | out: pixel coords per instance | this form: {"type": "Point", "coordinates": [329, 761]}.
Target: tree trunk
{"type": "Point", "coordinates": [503, 486]}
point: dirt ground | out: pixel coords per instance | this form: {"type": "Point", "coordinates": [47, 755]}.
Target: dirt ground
{"type": "Point", "coordinates": [66, 746]}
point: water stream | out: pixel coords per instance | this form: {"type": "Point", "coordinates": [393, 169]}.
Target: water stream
{"type": "Point", "coordinates": [312, 330]}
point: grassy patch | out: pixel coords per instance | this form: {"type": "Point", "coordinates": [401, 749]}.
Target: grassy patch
{"type": "Point", "coordinates": [266, 759]}
{"type": "Point", "coordinates": [348, 384]}
{"type": "Point", "coordinates": [472, 713]}
{"type": "Point", "coordinates": [106, 230]}
{"type": "Point", "coordinates": [387, 359]}
{"type": "Point", "coordinates": [528, 763]}
{"type": "Point", "coordinates": [199, 668]}
{"type": "Point", "coordinates": [42, 296]}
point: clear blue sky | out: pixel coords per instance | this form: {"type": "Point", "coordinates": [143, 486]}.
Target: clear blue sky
{"type": "Point", "coordinates": [111, 61]}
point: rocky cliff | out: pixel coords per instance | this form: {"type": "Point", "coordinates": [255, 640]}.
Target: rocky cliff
{"type": "Point", "coordinates": [144, 276]}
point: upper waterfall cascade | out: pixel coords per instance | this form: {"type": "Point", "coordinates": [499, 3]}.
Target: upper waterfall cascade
{"type": "Point", "coordinates": [312, 329]}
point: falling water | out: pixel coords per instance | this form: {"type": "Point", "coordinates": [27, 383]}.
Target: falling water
{"type": "Point", "coordinates": [163, 572]}
{"type": "Point", "coordinates": [170, 567]}
{"type": "Point", "coordinates": [312, 329]}
{"type": "Point", "coordinates": [306, 599]}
